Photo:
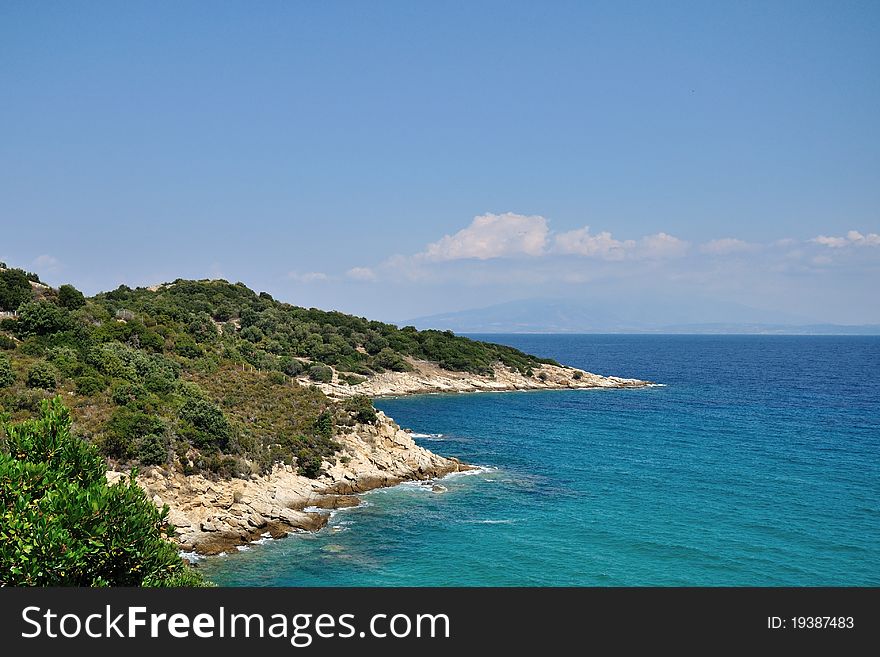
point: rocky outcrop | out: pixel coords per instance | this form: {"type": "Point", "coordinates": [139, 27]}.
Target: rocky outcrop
{"type": "Point", "coordinates": [428, 377]}
{"type": "Point", "coordinates": [215, 516]}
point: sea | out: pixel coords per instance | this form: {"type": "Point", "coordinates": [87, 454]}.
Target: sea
{"type": "Point", "coordinates": [755, 463]}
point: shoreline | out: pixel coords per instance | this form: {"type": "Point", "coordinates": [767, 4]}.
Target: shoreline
{"type": "Point", "coordinates": [430, 378]}
{"type": "Point", "coordinates": [215, 516]}
{"type": "Point", "coordinates": [211, 516]}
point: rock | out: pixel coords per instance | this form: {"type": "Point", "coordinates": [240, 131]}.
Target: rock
{"type": "Point", "coordinates": [335, 501]}
{"type": "Point", "coordinates": [208, 527]}
{"type": "Point", "coordinates": [257, 521]}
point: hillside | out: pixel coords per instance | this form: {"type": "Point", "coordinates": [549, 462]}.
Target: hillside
{"type": "Point", "coordinates": [209, 376]}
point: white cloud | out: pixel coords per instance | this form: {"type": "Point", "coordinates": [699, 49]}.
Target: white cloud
{"type": "Point", "coordinates": [492, 236]}
{"type": "Point", "coordinates": [46, 262]}
{"type": "Point", "coordinates": [602, 245]}
{"type": "Point", "coordinates": [361, 274]}
{"type": "Point", "coordinates": [662, 245]}
{"type": "Point", "coordinates": [307, 277]}
{"type": "Point", "coordinates": [727, 245]}
{"type": "Point", "coordinates": [853, 238]}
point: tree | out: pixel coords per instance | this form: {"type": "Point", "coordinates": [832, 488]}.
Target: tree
{"type": "Point", "coordinates": [61, 524]}
{"type": "Point", "coordinates": [71, 298]}
{"type": "Point", "coordinates": [42, 318]}
{"type": "Point", "coordinates": [15, 289]}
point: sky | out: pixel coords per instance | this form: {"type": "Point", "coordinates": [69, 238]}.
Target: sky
{"type": "Point", "coordinates": [400, 159]}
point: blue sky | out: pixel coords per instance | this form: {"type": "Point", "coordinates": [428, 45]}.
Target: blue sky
{"type": "Point", "coordinates": [398, 159]}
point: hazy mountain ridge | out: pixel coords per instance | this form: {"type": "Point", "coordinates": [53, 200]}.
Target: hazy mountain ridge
{"type": "Point", "coordinates": [560, 316]}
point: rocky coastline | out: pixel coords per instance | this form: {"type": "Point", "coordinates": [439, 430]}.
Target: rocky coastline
{"type": "Point", "coordinates": [215, 516]}
{"type": "Point", "coordinates": [211, 517]}
{"type": "Point", "coordinates": [430, 378]}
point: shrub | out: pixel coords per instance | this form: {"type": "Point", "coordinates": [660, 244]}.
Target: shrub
{"type": "Point", "coordinates": [577, 376]}
{"type": "Point", "coordinates": [159, 383]}
{"type": "Point", "coordinates": [211, 426]}
{"type": "Point", "coordinates": [63, 525]}
{"type": "Point", "coordinates": [6, 342]}
{"type": "Point", "coordinates": [64, 359]}
{"type": "Point", "coordinates": [89, 385]}
{"type": "Point", "coordinates": [71, 298]}
{"type": "Point", "coordinates": [277, 378]}
{"type": "Point", "coordinates": [353, 379]}
{"type": "Point", "coordinates": [152, 450]}
{"type": "Point", "coordinates": [391, 360]}
{"type": "Point", "coordinates": [125, 429]}
{"type": "Point", "coordinates": [321, 373]}
{"type": "Point", "coordinates": [123, 392]}
{"type": "Point", "coordinates": [324, 424]}
{"type": "Point", "coordinates": [7, 376]}
{"type": "Point", "coordinates": [290, 366]}
{"type": "Point", "coordinates": [252, 334]}
{"type": "Point", "coordinates": [42, 375]}
{"type": "Point", "coordinates": [308, 464]}
{"type": "Point", "coordinates": [187, 347]}
{"type": "Point", "coordinates": [361, 409]}
{"type": "Point", "coordinates": [542, 376]}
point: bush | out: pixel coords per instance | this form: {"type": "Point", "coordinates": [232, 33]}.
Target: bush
{"type": "Point", "coordinates": [125, 429]}
{"type": "Point", "coordinates": [64, 359]}
{"type": "Point", "coordinates": [353, 379]}
{"type": "Point", "coordinates": [577, 376]}
{"type": "Point", "coordinates": [277, 378]}
{"type": "Point", "coordinates": [187, 347]}
{"type": "Point", "coordinates": [290, 366]}
{"type": "Point", "coordinates": [308, 464]}
{"type": "Point", "coordinates": [211, 426]}
{"type": "Point", "coordinates": [152, 450]}
{"type": "Point", "coordinates": [6, 342]}
{"type": "Point", "coordinates": [63, 525]}
{"type": "Point", "coordinates": [42, 375]}
{"type": "Point", "coordinates": [123, 392]}
{"type": "Point", "coordinates": [89, 385]}
{"type": "Point", "coordinates": [391, 360]}
{"type": "Point", "coordinates": [71, 298]}
{"type": "Point", "coordinates": [7, 376]}
{"type": "Point", "coordinates": [321, 373]}
{"type": "Point", "coordinates": [361, 409]}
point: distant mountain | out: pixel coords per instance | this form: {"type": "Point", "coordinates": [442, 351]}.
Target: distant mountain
{"type": "Point", "coordinates": [629, 316]}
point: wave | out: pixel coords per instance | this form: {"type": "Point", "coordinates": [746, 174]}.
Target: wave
{"type": "Point", "coordinates": [427, 436]}
{"type": "Point", "coordinates": [503, 521]}
{"type": "Point", "coordinates": [476, 470]}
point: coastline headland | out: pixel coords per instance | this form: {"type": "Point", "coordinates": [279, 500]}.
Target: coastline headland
{"type": "Point", "coordinates": [214, 516]}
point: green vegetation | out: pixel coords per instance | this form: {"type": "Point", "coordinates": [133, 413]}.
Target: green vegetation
{"type": "Point", "coordinates": [71, 298]}
{"type": "Point", "coordinates": [15, 289]}
{"type": "Point", "coordinates": [7, 376]}
{"type": "Point", "coordinates": [63, 525]}
{"type": "Point", "coordinates": [41, 375]}
{"type": "Point", "coordinates": [208, 376]}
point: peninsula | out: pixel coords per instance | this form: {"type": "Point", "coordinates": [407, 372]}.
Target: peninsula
{"type": "Point", "coordinates": [246, 416]}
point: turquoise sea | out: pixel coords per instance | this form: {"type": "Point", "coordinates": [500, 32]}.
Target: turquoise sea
{"type": "Point", "coordinates": [758, 463]}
